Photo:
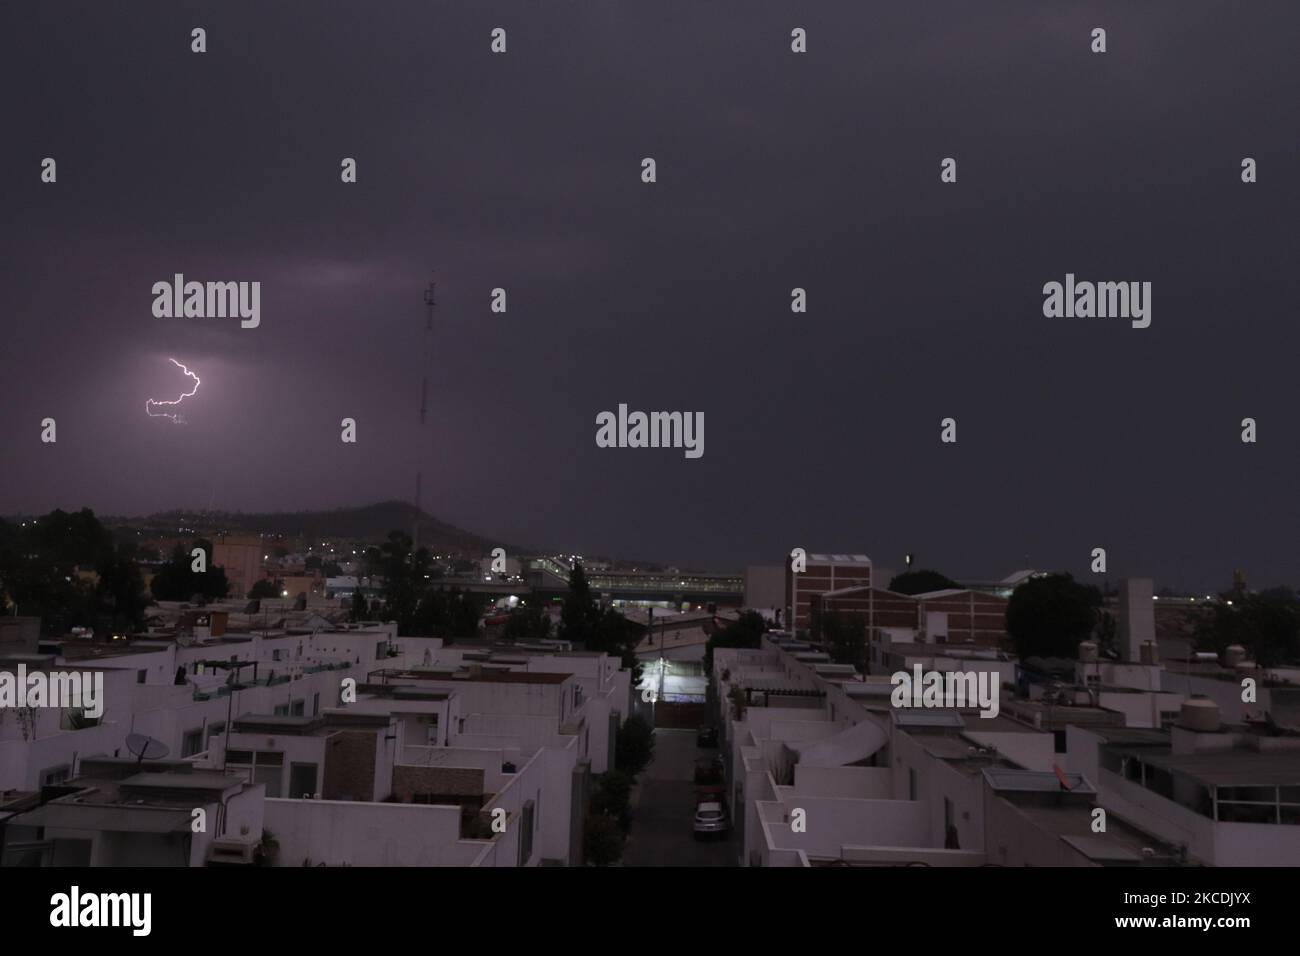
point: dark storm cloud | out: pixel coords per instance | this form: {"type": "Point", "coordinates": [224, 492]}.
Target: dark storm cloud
{"type": "Point", "coordinates": [775, 171]}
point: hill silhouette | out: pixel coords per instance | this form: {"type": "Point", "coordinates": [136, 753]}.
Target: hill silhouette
{"type": "Point", "coordinates": [369, 522]}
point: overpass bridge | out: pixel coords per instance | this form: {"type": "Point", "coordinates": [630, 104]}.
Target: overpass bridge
{"type": "Point", "coordinates": [549, 579]}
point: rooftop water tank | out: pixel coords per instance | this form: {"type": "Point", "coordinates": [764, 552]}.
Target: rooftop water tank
{"type": "Point", "coordinates": [1200, 714]}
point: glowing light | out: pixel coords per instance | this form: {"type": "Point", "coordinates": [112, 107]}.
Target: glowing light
{"type": "Point", "coordinates": [174, 416]}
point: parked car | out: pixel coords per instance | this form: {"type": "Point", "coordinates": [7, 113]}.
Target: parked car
{"type": "Point", "coordinates": [710, 819]}
{"type": "Point", "coordinates": [707, 737]}
{"type": "Point", "coordinates": [708, 770]}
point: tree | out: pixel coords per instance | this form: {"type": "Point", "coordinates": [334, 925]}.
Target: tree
{"type": "Point", "coordinates": [446, 613]}
{"type": "Point", "coordinates": [359, 607]}
{"type": "Point", "coordinates": [1107, 634]}
{"type": "Point", "coordinates": [602, 840]}
{"type": "Point", "coordinates": [1049, 616]}
{"type": "Point", "coordinates": [618, 637]}
{"type": "Point", "coordinates": [178, 581]}
{"type": "Point", "coordinates": [579, 615]}
{"type": "Point", "coordinates": [120, 594]}
{"type": "Point", "coordinates": [739, 700]}
{"type": "Point", "coordinates": [746, 631]}
{"type": "Point", "coordinates": [405, 573]}
{"type": "Point", "coordinates": [527, 622]}
{"type": "Point", "coordinates": [41, 565]}
{"type": "Point", "coordinates": [634, 746]}
{"type": "Point", "coordinates": [1267, 624]}
{"type": "Point", "coordinates": [919, 582]}
{"type": "Point", "coordinates": [612, 797]}
{"type": "Point", "coordinates": [265, 588]}
{"type": "Point", "coordinates": [847, 636]}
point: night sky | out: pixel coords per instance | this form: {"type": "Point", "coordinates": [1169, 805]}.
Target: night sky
{"type": "Point", "coordinates": [775, 170]}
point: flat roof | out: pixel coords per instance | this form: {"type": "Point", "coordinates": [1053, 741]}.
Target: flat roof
{"type": "Point", "coordinates": [198, 780]}
{"type": "Point", "coordinates": [928, 718]}
{"type": "Point", "coordinates": [514, 677]}
{"type": "Point", "coordinates": [114, 818]}
{"type": "Point", "coordinates": [1236, 768]}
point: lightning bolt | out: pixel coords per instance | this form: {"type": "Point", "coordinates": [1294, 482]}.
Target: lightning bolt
{"type": "Point", "coordinates": [174, 416]}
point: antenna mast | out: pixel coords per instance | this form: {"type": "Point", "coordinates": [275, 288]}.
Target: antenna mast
{"type": "Point", "coordinates": [429, 303]}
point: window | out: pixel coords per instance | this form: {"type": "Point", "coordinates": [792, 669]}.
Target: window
{"type": "Point", "coordinates": [911, 784]}
{"type": "Point", "coordinates": [296, 708]}
{"type": "Point", "coordinates": [270, 777]}
{"type": "Point", "coordinates": [265, 767]}
{"type": "Point", "coordinates": [275, 654]}
{"type": "Point", "coordinates": [55, 775]}
{"type": "Point", "coordinates": [141, 675]}
{"type": "Point", "coordinates": [315, 704]}
{"type": "Point", "coordinates": [1257, 804]}
{"type": "Point", "coordinates": [526, 833]}
{"type": "Point", "coordinates": [380, 649]}
{"type": "Point", "coordinates": [192, 743]}
{"type": "Point", "coordinates": [281, 710]}
{"type": "Point", "coordinates": [302, 780]}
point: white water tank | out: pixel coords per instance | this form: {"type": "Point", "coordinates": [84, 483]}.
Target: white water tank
{"type": "Point", "coordinates": [1200, 714]}
{"type": "Point", "coordinates": [1088, 651]}
{"type": "Point", "coordinates": [1233, 655]}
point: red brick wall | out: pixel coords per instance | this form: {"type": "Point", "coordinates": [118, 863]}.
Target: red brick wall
{"type": "Point", "coordinates": [349, 766]}
{"type": "Point", "coordinates": [452, 783]}
{"type": "Point", "coordinates": [973, 618]}
{"type": "Point", "coordinates": [818, 579]}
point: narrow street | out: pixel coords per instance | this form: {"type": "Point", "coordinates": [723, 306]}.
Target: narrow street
{"type": "Point", "coordinates": [663, 810]}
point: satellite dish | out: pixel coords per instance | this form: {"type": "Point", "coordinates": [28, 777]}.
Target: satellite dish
{"type": "Point", "coordinates": [145, 747]}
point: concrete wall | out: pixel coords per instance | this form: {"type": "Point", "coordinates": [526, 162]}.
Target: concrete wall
{"type": "Point", "coordinates": [853, 782]}
{"type": "Point", "coordinates": [1032, 751]}
{"type": "Point", "coordinates": [902, 856]}
{"type": "Point", "coordinates": [1015, 840]}
{"type": "Point", "coordinates": [833, 824]}
{"type": "Point", "coordinates": [364, 834]}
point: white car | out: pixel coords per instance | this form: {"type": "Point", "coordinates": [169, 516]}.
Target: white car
{"type": "Point", "coordinates": [710, 818]}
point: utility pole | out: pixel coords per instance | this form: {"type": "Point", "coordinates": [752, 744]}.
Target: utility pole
{"type": "Point", "coordinates": [663, 663]}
